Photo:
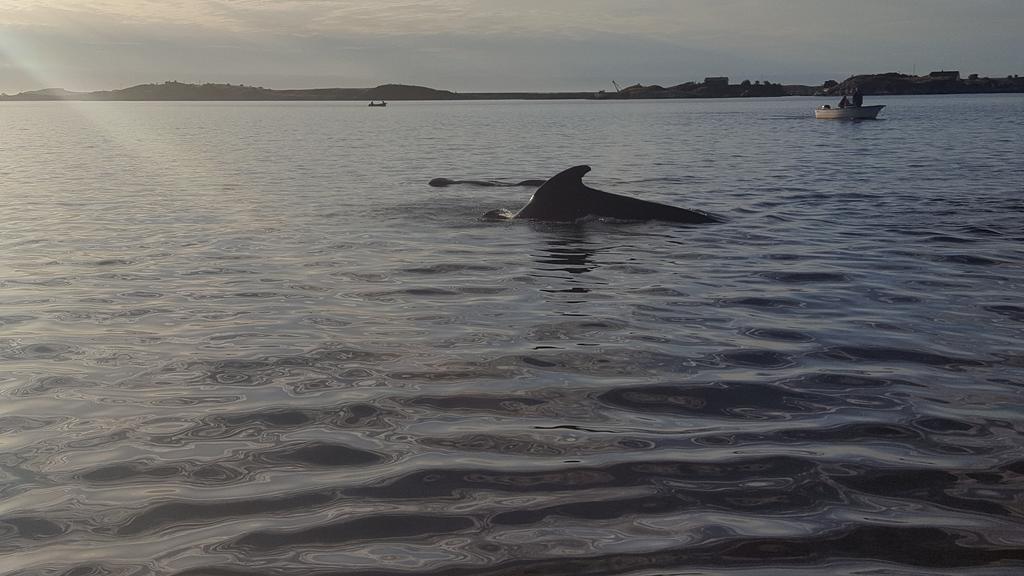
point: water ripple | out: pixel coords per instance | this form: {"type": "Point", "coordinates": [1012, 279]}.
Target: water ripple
{"type": "Point", "coordinates": [236, 343]}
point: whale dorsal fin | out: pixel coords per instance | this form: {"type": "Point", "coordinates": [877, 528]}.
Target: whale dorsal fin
{"type": "Point", "coordinates": [560, 198]}
{"type": "Point", "coordinates": [569, 179]}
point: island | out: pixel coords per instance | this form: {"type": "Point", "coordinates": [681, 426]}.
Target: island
{"type": "Point", "coordinates": [892, 83]}
{"type": "Point", "coordinates": [939, 82]}
{"type": "Point", "coordinates": [173, 90]}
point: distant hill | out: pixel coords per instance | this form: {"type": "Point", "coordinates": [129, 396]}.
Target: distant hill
{"type": "Point", "coordinates": [707, 89]}
{"type": "Point", "coordinates": [45, 94]}
{"type": "Point", "coordinates": [869, 84]}
{"type": "Point", "coordinates": [894, 83]}
{"type": "Point", "coordinates": [181, 91]}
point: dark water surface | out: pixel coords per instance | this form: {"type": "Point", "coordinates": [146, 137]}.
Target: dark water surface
{"type": "Point", "coordinates": [250, 339]}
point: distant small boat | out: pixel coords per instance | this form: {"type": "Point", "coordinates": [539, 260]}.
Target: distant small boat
{"type": "Point", "coordinates": [849, 113]}
{"type": "Point", "coordinates": [381, 103]}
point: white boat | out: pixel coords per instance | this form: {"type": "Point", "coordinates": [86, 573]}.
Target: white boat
{"type": "Point", "coordinates": [848, 113]}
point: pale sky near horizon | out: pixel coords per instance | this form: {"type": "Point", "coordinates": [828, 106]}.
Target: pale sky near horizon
{"type": "Point", "coordinates": [491, 45]}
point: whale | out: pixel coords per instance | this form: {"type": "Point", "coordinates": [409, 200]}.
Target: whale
{"type": "Point", "coordinates": [565, 198]}
{"type": "Point", "coordinates": [442, 182]}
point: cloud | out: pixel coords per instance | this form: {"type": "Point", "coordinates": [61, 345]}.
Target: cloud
{"type": "Point", "coordinates": [660, 19]}
{"type": "Point", "coordinates": [495, 44]}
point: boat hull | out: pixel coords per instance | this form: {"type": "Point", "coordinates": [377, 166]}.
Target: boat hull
{"type": "Point", "coordinates": [851, 113]}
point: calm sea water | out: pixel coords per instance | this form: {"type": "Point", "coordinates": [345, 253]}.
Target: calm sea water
{"type": "Point", "coordinates": [249, 339]}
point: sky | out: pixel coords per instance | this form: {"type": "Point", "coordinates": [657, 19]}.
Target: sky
{"type": "Point", "coordinates": [496, 45]}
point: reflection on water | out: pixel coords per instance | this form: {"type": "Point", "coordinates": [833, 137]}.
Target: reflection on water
{"type": "Point", "coordinates": [567, 249]}
{"type": "Point", "coordinates": [563, 256]}
{"type": "Point", "coordinates": [231, 343]}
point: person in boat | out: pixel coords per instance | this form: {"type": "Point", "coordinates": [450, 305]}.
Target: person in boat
{"type": "Point", "coordinates": [858, 98]}
{"type": "Point", "coordinates": [845, 102]}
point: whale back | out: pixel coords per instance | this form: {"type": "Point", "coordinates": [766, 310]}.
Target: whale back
{"type": "Point", "coordinates": [565, 198]}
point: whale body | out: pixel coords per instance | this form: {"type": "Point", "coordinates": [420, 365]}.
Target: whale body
{"type": "Point", "coordinates": [565, 198]}
{"type": "Point", "coordinates": [442, 182]}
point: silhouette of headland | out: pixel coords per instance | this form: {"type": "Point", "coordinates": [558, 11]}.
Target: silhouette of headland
{"type": "Point", "coordinates": [939, 82]}
{"type": "Point", "coordinates": [894, 83]}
